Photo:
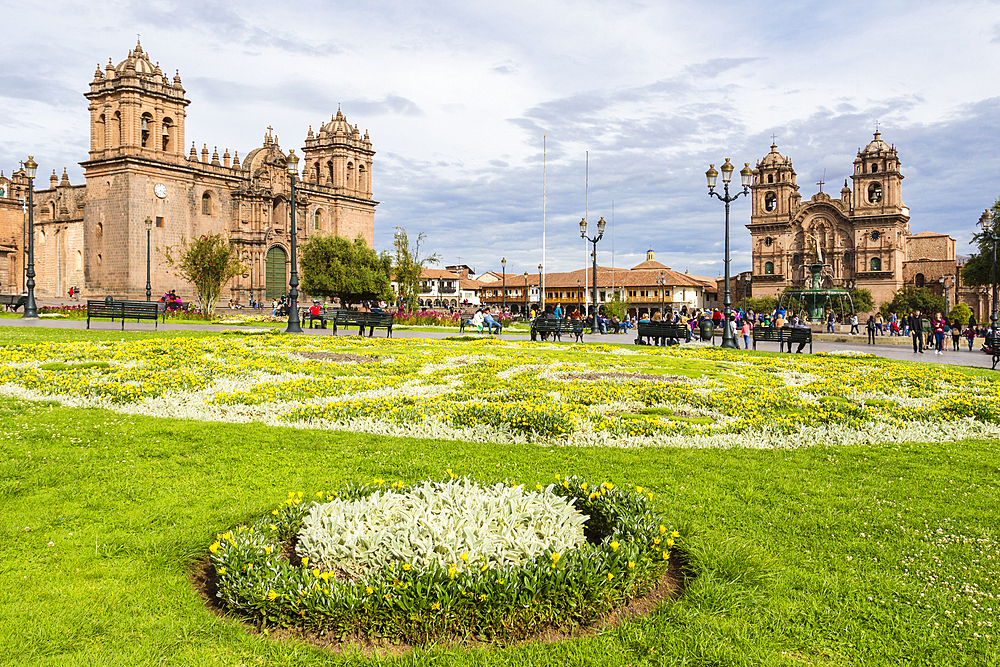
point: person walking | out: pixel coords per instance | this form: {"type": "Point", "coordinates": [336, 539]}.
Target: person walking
{"type": "Point", "coordinates": [558, 312]}
{"type": "Point", "coordinates": [916, 324]}
{"type": "Point", "coordinates": [870, 326]}
{"type": "Point", "coordinates": [854, 324]}
{"type": "Point", "coordinates": [745, 330]}
{"type": "Point", "coordinates": [829, 323]}
{"type": "Point", "coordinates": [956, 334]}
{"type": "Point", "coordinates": [937, 328]}
{"type": "Point", "coordinates": [970, 335]}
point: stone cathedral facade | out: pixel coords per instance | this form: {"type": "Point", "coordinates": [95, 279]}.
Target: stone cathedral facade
{"type": "Point", "coordinates": [93, 236]}
{"type": "Point", "coordinates": [863, 237]}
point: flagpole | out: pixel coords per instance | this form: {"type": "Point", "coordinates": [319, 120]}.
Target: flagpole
{"type": "Point", "coordinates": [586, 216]}
{"type": "Point", "coordinates": [541, 279]}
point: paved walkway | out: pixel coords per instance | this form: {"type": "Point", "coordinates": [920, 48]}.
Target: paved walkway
{"type": "Point", "coordinates": [891, 350]}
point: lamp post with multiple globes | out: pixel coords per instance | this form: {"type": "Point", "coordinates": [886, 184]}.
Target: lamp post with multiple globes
{"type": "Point", "coordinates": [30, 308]}
{"type": "Point", "coordinates": [746, 174]}
{"type": "Point", "coordinates": [293, 282]}
{"type": "Point", "coordinates": [593, 240]}
{"type": "Point", "coordinates": [986, 223]}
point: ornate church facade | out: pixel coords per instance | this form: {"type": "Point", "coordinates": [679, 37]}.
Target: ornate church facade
{"type": "Point", "coordinates": [862, 238]}
{"type": "Point", "coordinates": [94, 236]}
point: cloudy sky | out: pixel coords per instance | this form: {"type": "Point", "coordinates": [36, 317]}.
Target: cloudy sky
{"type": "Point", "coordinates": [457, 96]}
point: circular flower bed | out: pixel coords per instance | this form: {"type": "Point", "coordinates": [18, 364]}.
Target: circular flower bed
{"type": "Point", "coordinates": [441, 559]}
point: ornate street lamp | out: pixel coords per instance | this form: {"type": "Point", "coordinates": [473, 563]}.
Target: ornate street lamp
{"type": "Point", "coordinates": [503, 297]}
{"type": "Point", "coordinates": [525, 295]}
{"type": "Point", "coordinates": [149, 287]}
{"type": "Point", "coordinates": [728, 340]}
{"type": "Point", "coordinates": [293, 282]}
{"type": "Point", "coordinates": [30, 308]}
{"type": "Point", "coordinates": [594, 240]}
{"type": "Point", "coordinates": [541, 294]}
{"type": "Point", "coordinates": [943, 281]}
{"type": "Point", "coordinates": [986, 222]}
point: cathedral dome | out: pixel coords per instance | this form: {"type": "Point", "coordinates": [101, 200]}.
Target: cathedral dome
{"type": "Point", "coordinates": [139, 61]}
{"type": "Point", "coordinates": [774, 159]}
{"type": "Point", "coordinates": [876, 145]}
{"type": "Point", "coordinates": [338, 125]}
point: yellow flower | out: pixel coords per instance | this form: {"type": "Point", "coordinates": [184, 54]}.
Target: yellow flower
{"type": "Point", "coordinates": [273, 527]}
{"type": "Point", "coordinates": [326, 576]}
{"type": "Point", "coordinates": [674, 533]}
{"type": "Point", "coordinates": [369, 590]}
{"type": "Point", "coordinates": [670, 542]}
{"type": "Point", "coordinates": [631, 564]}
{"type": "Point", "coordinates": [275, 512]}
{"type": "Point", "coordinates": [222, 570]}
{"type": "Point", "coordinates": [271, 595]}
{"type": "Point", "coordinates": [267, 549]}
{"type": "Point", "coordinates": [465, 556]}
{"type": "Point", "coordinates": [538, 487]}
{"type": "Point", "coordinates": [305, 562]}
{"type": "Point", "coordinates": [610, 576]}
{"type": "Point", "coordinates": [406, 567]}
{"type": "Point", "coordinates": [555, 556]}
{"type": "Point", "coordinates": [663, 529]}
{"type": "Point", "coordinates": [482, 597]}
{"type": "Point", "coordinates": [614, 546]}
{"type": "Point", "coordinates": [666, 555]}
{"type": "Point", "coordinates": [656, 540]}
{"type": "Point", "coordinates": [584, 486]}
{"type": "Point", "coordinates": [379, 481]}
{"type": "Point", "coordinates": [436, 605]}
{"type": "Point", "coordinates": [316, 573]}
{"type": "Point", "coordinates": [215, 547]}
{"type": "Point", "coordinates": [638, 489]}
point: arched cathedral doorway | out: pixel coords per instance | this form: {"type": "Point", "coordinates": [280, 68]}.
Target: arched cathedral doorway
{"type": "Point", "coordinates": [274, 271]}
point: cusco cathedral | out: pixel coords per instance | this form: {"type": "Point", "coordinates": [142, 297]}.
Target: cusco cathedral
{"type": "Point", "coordinates": [862, 237]}
{"type": "Point", "coordinates": [93, 236]}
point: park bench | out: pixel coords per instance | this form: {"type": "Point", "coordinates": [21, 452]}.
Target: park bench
{"type": "Point", "coordinates": [667, 333]}
{"type": "Point", "coordinates": [545, 326]}
{"type": "Point", "coordinates": [13, 301]}
{"type": "Point", "coordinates": [348, 318]}
{"type": "Point", "coordinates": [125, 310]}
{"type": "Point", "coordinates": [325, 315]}
{"type": "Point", "coordinates": [782, 336]}
{"type": "Point", "coordinates": [464, 321]}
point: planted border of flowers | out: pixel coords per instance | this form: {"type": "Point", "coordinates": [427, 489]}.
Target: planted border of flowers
{"type": "Point", "coordinates": [627, 551]}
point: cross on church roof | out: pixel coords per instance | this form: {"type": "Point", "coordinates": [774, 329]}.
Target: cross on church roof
{"type": "Point", "coordinates": [822, 181]}
{"type": "Point", "coordinates": [876, 125]}
{"type": "Point", "coordinates": [773, 137]}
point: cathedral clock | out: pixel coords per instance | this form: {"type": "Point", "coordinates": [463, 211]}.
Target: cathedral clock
{"type": "Point", "coordinates": [160, 190]}
{"type": "Point", "coordinates": [875, 235]}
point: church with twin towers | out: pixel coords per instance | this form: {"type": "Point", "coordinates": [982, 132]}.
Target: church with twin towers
{"type": "Point", "coordinates": [140, 167]}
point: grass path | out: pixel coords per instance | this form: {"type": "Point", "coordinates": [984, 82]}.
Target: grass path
{"type": "Point", "coordinates": [846, 556]}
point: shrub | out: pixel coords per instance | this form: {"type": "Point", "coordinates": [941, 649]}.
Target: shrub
{"type": "Point", "coordinates": [292, 569]}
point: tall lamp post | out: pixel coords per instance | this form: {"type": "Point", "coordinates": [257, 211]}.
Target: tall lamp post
{"type": "Point", "coordinates": [503, 297]}
{"type": "Point", "coordinates": [944, 289]}
{"type": "Point", "coordinates": [728, 340]}
{"type": "Point", "coordinates": [541, 295]}
{"type": "Point", "coordinates": [293, 282]}
{"type": "Point", "coordinates": [30, 308]}
{"type": "Point", "coordinates": [661, 281]}
{"type": "Point", "coordinates": [525, 295]}
{"type": "Point", "coordinates": [986, 222]}
{"type": "Point", "coordinates": [149, 286]}
{"type": "Point", "coordinates": [594, 240]}
{"type": "Point", "coordinates": [579, 303]}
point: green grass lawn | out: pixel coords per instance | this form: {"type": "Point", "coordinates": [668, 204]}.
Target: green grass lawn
{"type": "Point", "coordinates": [855, 555]}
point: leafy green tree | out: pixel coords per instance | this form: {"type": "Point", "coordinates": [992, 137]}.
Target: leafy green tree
{"type": "Point", "coordinates": [909, 298]}
{"type": "Point", "coordinates": [978, 270]}
{"type": "Point", "coordinates": [208, 263]}
{"type": "Point", "coordinates": [349, 271]}
{"type": "Point", "coordinates": [763, 304]}
{"type": "Point", "coordinates": [616, 306]}
{"type": "Point", "coordinates": [862, 300]}
{"type": "Point", "coordinates": [409, 266]}
{"type": "Point", "coordinates": [960, 313]}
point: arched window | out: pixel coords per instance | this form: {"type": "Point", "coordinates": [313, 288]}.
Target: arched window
{"type": "Point", "coordinates": [206, 204]}
{"type": "Point", "coordinates": [362, 178]}
{"type": "Point", "coordinates": [769, 268]}
{"type": "Point", "coordinates": [875, 193]}
{"type": "Point", "coordinates": [848, 258]}
{"type": "Point", "coordinates": [116, 129]}
{"type": "Point", "coordinates": [51, 210]}
{"type": "Point", "coordinates": [770, 178]}
{"type": "Point", "coordinates": [167, 136]}
{"type": "Point", "coordinates": [918, 280]}
{"type": "Point", "coordinates": [876, 264]}
{"type": "Point", "coordinates": [329, 174]}
{"type": "Point", "coordinates": [146, 125]}
{"type": "Point", "coordinates": [350, 175]}
{"type": "Point", "coordinates": [316, 169]}
{"type": "Point", "coordinates": [770, 201]}
{"type": "Point", "coordinates": [317, 217]}
{"type": "Point", "coordinates": [99, 131]}
{"type": "Point", "coordinates": [796, 260]}
{"type": "Point", "coordinates": [874, 167]}
{"type": "Point", "coordinates": [79, 260]}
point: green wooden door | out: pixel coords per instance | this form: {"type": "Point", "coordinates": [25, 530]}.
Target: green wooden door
{"type": "Point", "coordinates": [275, 272]}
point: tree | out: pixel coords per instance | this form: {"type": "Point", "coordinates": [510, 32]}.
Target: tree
{"type": "Point", "coordinates": [762, 304]}
{"type": "Point", "coordinates": [862, 300]}
{"type": "Point", "coordinates": [351, 272]}
{"type": "Point", "coordinates": [978, 270]}
{"type": "Point", "coordinates": [616, 306]}
{"type": "Point", "coordinates": [208, 263]}
{"type": "Point", "coordinates": [909, 298]}
{"type": "Point", "coordinates": [960, 313]}
{"type": "Point", "coordinates": [409, 266]}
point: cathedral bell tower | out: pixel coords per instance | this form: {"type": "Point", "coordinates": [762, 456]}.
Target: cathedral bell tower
{"type": "Point", "coordinates": [880, 218]}
{"type": "Point", "coordinates": [877, 180]}
{"type": "Point", "coordinates": [775, 199]}
{"type": "Point", "coordinates": [136, 109]}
